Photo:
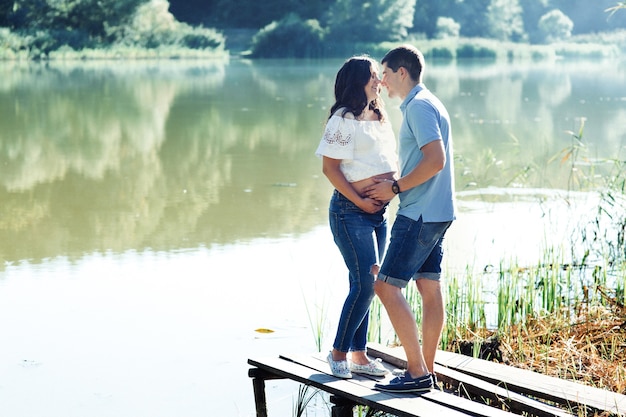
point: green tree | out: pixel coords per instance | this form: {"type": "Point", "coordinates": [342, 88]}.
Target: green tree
{"type": "Point", "coordinates": [427, 13]}
{"type": "Point", "coordinates": [250, 14]}
{"type": "Point", "coordinates": [290, 37]}
{"type": "Point", "coordinates": [153, 25]}
{"type": "Point", "coordinates": [91, 17]}
{"type": "Point", "coordinates": [471, 15]}
{"type": "Point", "coordinates": [247, 14]}
{"type": "Point", "coordinates": [195, 12]}
{"type": "Point", "coordinates": [447, 28]}
{"type": "Point", "coordinates": [6, 9]}
{"type": "Point", "coordinates": [532, 10]}
{"type": "Point", "coordinates": [504, 19]}
{"type": "Point", "coordinates": [555, 26]}
{"type": "Point", "coordinates": [359, 21]}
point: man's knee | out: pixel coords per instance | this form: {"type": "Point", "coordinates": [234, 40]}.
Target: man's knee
{"type": "Point", "coordinates": [383, 289]}
{"type": "Point", "coordinates": [378, 287]}
{"type": "Point", "coordinates": [429, 290]}
{"type": "Point", "coordinates": [428, 286]}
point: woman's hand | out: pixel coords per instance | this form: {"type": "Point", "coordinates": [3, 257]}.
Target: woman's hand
{"type": "Point", "coordinates": [369, 205]}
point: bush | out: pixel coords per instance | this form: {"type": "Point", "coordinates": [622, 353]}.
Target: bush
{"type": "Point", "coordinates": [616, 38]}
{"type": "Point", "coordinates": [290, 37]}
{"type": "Point", "coordinates": [11, 41]}
{"type": "Point", "coordinates": [39, 43]}
{"type": "Point", "coordinates": [585, 51]}
{"type": "Point", "coordinates": [440, 53]}
{"type": "Point", "coordinates": [200, 38]}
{"type": "Point", "coordinates": [42, 42]}
{"type": "Point", "coordinates": [476, 51]}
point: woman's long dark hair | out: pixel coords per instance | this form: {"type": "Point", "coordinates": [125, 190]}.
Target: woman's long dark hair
{"type": "Point", "coordinates": [350, 84]}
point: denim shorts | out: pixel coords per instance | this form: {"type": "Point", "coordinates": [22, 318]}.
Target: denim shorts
{"type": "Point", "coordinates": [415, 251]}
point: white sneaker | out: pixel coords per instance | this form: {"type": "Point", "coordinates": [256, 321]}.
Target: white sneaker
{"type": "Point", "coordinates": [373, 368]}
{"type": "Point", "coordinates": [339, 368]}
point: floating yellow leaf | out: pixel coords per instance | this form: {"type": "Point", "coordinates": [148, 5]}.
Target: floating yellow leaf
{"type": "Point", "coordinates": [262, 330]}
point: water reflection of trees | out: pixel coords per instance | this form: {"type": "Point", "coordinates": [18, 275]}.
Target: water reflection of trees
{"type": "Point", "coordinates": [509, 120]}
{"type": "Point", "coordinates": [106, 158]}
{"type": "Point", "coordinates": [170, 155]}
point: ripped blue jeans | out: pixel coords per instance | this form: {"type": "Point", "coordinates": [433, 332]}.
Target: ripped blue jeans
{"type": "Point", "coordinates": [361, 239]}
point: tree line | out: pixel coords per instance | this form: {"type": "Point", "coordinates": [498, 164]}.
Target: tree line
{"type": "Point", "coordinates": [46, 25]}
{"type": "Point", "coordinates": [514, 19]}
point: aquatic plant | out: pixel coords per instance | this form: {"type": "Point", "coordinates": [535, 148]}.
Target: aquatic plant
{"type": "Point", "coordinates": [306, 393]}
{"type": "Point", "coordinates": [318, 319]}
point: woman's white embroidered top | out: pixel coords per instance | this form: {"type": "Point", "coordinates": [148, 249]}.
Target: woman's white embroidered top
{"type": "Point", "coordinates": [366, 148]}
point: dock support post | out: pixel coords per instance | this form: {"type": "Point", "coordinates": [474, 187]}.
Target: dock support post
{"type": "Point", "coordinates": [341, 407]}
{"type": "Point", "coordinates": [258, 384]}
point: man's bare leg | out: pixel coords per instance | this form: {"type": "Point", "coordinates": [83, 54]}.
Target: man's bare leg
{"type": "Point", "coordinates": [403, 321]}
{"type": "Point", "coordinates": [433, 316]}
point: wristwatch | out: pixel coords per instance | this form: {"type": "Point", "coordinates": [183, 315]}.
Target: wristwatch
{"type": "Point", "coordinates": [395, 187]}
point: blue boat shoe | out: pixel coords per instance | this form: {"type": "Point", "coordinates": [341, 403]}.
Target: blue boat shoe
{"type": "Point", "coordinates": [436, 382]}
{"type": "Point", "coordinates": [405, 383]}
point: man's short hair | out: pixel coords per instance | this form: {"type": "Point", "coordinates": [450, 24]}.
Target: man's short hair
{"type": "Point", "coordinates": [406, 56]}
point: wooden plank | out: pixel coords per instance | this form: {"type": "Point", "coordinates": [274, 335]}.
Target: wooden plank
{"type": "Point", "coordinates": [538, 385]}
{"type": "Point", "coordinates": [513, 401]}
{"type": "Point", "coordinates": [401, 406]}
{"type": "Point", "coordinates": [450, 401]}
{"type": "Point", "coordinates": [474, 386]}
{"type": "Point", "coordinates": [567, 393]}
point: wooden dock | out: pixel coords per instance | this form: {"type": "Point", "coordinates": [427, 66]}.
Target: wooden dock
{"type": "Point", "coordinates": [474, 387]}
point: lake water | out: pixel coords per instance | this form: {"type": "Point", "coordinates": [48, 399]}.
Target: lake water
{"type": "Point", "coordinates": [153, 215]}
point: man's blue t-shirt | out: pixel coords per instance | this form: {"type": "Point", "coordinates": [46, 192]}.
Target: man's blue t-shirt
{"type": "Point", "coordinates": [426, 120]}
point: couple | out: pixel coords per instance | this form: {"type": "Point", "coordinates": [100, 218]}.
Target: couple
{"type": "Point", "coordinates": [358, 150]}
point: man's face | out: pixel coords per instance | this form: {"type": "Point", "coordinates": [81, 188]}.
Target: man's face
{"type": "Point", "coordinates": [391, 81]}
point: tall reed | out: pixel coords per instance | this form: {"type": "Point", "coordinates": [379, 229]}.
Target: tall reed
{"type": "Point", "coordinates": [454, 312]}
{"type": "Point", "coordinates": [306, 393]}
{"type": "Point", "coordinates": [376, 321]}
{"type": "Point", "coordinates": [318, 320]}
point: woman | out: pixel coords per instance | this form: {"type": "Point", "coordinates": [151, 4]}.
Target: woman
{"type": "Point", "coordinates": [358, 145]}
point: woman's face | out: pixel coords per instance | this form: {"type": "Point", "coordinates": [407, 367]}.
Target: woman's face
{"type": "Point", "coordinates": [372, 88]}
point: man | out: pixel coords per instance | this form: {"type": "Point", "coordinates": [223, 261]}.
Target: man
{"type": "Point", "coordinates": [426, 210]}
